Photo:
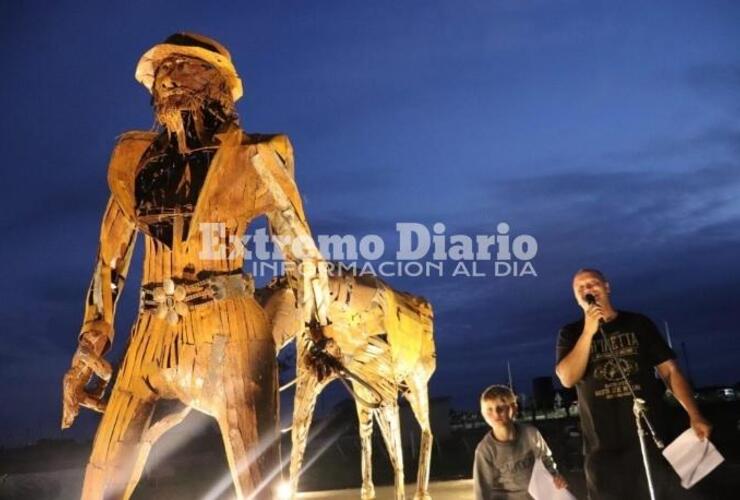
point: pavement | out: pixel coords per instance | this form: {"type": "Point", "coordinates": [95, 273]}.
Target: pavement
{"type": "Point", "coordinates": [441, 490]}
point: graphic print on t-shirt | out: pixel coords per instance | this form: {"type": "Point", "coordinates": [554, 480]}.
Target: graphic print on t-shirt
{"type": "Point", "coordinates": [622, 350]}
{"type": "Point", "coordinates": [514, 465]}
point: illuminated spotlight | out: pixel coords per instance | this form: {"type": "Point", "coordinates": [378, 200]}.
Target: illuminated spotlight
{"type": "Point", "coordinates": [318, 453]}
{"type": "Point", "coordinates": [285, 488]}
{"type": "Point", "coordinates": [284, 491]}
{"type": "Point", "coordinates": [169, 435]}
{"type": "Point", "coordinates": [227, 480]}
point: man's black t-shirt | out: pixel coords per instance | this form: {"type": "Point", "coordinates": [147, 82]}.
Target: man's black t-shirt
{"type": "Point", "coordinates": [604, 401]}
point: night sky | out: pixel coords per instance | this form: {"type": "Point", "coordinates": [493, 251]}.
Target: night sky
{"type": "Point", "coordinates": [607, 131]}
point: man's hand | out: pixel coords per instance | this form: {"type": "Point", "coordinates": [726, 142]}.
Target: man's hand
{"type": "Point", "coordinates": [85, 364]}
{"type": "Point", "coordinates": [572, 367]}
{"type": "Point", "coordinates": [679, 386]}
{"type": "Point", "coordinates": [592, 315]}
{"type": "Point", "coordinates": [559, 481]}
{"type": "Point", "coordinates": [701, 427]}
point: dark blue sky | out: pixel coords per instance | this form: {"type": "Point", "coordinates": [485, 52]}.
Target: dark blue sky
{"type": "Point", "coordinates": [609, 132]}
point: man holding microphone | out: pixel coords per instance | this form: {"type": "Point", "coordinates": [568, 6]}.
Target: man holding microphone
{"type": "Point", "coordinates": [597, 365]}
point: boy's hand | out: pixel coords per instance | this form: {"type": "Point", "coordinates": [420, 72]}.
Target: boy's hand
{"type": "Point", "coordinates": [559, 481]}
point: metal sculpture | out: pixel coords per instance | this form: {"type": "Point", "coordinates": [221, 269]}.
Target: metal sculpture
{"type": "Point", "coordinates": [382, 342]}
{"type": "Point", "coordinates": [200, 336]}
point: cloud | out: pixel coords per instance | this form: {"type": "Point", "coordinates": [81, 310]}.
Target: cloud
{"type": "Point", "coordinates": [668, 241]}
{"type": "Point", "coordinates": [714, 77]}
{"type": "Point", "coordinates": [594, 183]}
{"type": "Point", "coordinates": [720, 138]}
{"type": "Point", "coordinates": [642, 205]}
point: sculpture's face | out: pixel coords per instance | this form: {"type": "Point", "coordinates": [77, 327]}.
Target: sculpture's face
{"type": "Point", "coordinates": [184, 83]}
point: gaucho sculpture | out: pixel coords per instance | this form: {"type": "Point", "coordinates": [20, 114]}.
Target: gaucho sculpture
{"type": "Point", "coordinates": [200, 336]}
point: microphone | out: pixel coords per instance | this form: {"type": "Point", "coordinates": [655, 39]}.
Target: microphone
{"type": "Point", "coordinates": [591, 300]}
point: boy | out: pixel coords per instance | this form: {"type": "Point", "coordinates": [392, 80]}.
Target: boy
{"type": "Point", "coordinates": [505, 456]}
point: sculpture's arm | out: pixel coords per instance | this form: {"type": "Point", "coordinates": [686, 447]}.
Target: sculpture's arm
{"type": "Point", "coordinates": [117, 237]}
{"type": "Point", "coordinates": [307, 268]}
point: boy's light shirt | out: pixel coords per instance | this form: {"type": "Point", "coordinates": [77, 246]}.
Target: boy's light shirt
{"type": "Point", "coordinates": [502, 470]}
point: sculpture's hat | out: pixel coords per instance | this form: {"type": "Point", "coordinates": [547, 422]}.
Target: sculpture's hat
{"type": "Point", "coordinates": [191, 45]}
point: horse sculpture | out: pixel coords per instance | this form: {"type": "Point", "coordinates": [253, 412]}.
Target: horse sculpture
{"type": "Point", "coordinates": [382, 342]}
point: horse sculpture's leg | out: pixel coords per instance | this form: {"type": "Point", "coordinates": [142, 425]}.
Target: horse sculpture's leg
{"type": "Point", "coordinates": [306, 393]}
{"type": "Point", "coordinates": [418, 398]}
{"type": "Point", "coordinates": [365, 421]}
{"type": "Point", "coordinates": [390, 427]}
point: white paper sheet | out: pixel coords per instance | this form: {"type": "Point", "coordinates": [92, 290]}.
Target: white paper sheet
{"type": "Point", "coordinates": [541, 486]}
{"type": "Point", "coordinates": [692, 458]}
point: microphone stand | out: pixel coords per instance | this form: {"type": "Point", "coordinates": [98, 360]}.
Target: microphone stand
{"type": "Point", "coordinates": [640, 412]}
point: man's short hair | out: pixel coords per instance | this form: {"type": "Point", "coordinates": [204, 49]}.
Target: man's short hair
{"type": "Point", "coordinates": [593, 271]}
{"type": "Point", "coordinates": [497, 391]}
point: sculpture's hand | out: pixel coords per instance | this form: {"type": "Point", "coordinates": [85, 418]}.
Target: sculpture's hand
{"type": "Point", "coordinates": [323, 356]}
{"type": "Point", "coordinates": [85, 364]}
{"type": "Point", "coordinates": [73, 386]}
{"type": "Point", "coordinates": [327, 332]}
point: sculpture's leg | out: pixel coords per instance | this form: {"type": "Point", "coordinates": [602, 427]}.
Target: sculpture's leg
{"type": "Point", "coordinates": [247, 416]}
{"type": "Point", "coordinates": [151, 435]}
{"type": "Point", "coordinates": [112, 472]}
{"type": "Point", "coordinates": [390, 427]}
{"type": "Point", "coordinates": [418, 398]}
{"type": "Point", "coordinates": [307, 391]}
{"type": "Point", "coordinates": [365, 421]}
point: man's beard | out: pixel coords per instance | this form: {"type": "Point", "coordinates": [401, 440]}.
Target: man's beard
{"type": "Point", "coordinates": [173, 110]}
